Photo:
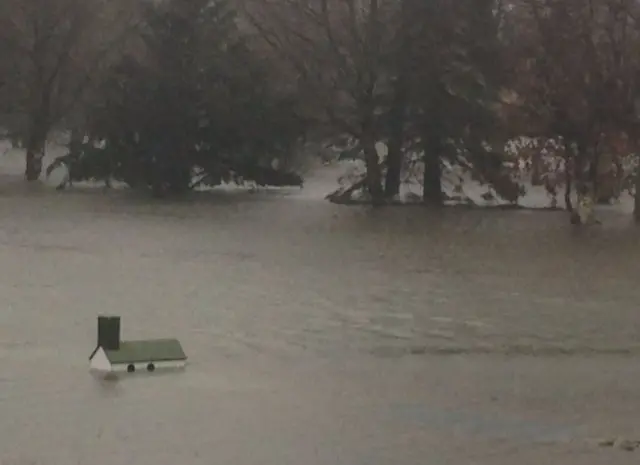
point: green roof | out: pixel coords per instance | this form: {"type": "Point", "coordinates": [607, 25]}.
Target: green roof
{"type": "Point", "coordinates": [152, 350]}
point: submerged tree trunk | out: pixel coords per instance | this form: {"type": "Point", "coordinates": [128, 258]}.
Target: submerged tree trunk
{"type": "Point", "coordinates": [394, 170]}
{"type": "Point", "coordinates": [75, 142]}
{"type": "Point", "coordinates": [636, 206]}
{"type": "Point", "coordinates": [568, 176]}
{"type": "Point", "coordinates": [536, 168]}
{"type": "Point", "coordinates": [568, 186]}
{"type": "Point", "coordinates": [372, 160]}
{"type": "Point", "coordinates": [395, 153]}
{"type": "Point", "coordinates": [37, 136]}
{"type": "Point", "coordinates": [594, 174]}
{"type": "Point", "coordinates": [35, 151]}
{"type": "Point", "coordinates": [398, 113]}
{"type": "Point", "coordinates": [343, 195]}
{"type": "Point", "coordinates": [583, 213]}
{"type": "Point", "coordinates": [432, 180]}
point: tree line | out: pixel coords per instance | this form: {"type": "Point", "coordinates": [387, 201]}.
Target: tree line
{"type": "Point", "coordinates": [227, 87]}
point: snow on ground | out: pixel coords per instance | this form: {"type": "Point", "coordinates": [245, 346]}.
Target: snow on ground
{"type": "Point", "coordinates": [535, 196]}
{"type": "Point", "coordinates": [12, 161]}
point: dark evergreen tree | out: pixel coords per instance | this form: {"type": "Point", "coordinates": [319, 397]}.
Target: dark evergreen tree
{"type": "Point", "coordinates": [196, 99]}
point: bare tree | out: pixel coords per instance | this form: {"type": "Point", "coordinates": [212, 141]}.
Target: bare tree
{"type": "Point", "coordinates": [336, 49]}
{"type": "Point", "coordinates": [577, 70]}
{"type": "Point", "coordinates": [56, 47]}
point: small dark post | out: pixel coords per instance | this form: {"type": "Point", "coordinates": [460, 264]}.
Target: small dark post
{"type": "Point", "coordinates": [109, 332]}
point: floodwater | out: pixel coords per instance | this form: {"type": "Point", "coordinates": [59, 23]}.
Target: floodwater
{"type": "Point", "coordinates": [317, 334]}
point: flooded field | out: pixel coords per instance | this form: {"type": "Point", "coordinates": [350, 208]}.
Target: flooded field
{"type": "Point", "coordinates": [317, 334]}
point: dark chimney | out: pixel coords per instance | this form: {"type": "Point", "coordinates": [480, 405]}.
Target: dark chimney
{"type": "Point", "coordinates": [109, 332]}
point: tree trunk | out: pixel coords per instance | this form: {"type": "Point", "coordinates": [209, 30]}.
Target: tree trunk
{"type": "Point", "coordinates": [343, 195]}
{"type": "Point", "coordinates": [398, 113]}
{"type": "Point", "coordinates": [35, 152]}
{"type": "Point", "coordinates": [568, 175]}
{"type": "Point", "coordinates": [536, 171]}
{"type": "Point", "coordinates": [432, 180]}
{"type": "Point", "coordinates": [594, 174]}
{"type": "Point", "coordinates": [568, 181]}
{"type": "Point", "coordinates": [37, 137]}
{"type": "Point", "coordinates": [583, 211]}
{"type": "Point", "coordinates": [636, 206]}
{"type": "Point", "coordinates": [395, 153]}
{"type": "Point", "coordinates": [578, 166]}
{"type": "Point", "coordinates": [372, 160]}
{"type": "Point", "coordinates": [568, 186]}
{"type": "Point", "coordinates": [75, 142]}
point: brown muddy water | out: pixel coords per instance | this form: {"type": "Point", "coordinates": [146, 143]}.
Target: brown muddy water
{"type": "Point", "coordinates": [317, 334]}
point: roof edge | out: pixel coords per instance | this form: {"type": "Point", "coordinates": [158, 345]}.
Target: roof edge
{"type": "Point", "coordinates": [163, 359]}
{"type": "Point", "coordinates": [94, 352]}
